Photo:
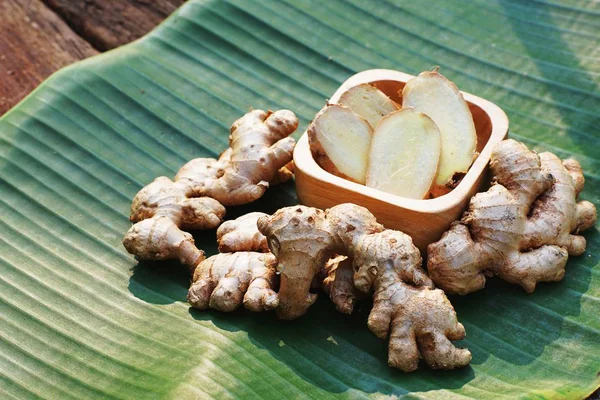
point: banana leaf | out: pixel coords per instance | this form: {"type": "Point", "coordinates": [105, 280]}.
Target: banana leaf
{"type": "Point", "coordinates": [81, 318]}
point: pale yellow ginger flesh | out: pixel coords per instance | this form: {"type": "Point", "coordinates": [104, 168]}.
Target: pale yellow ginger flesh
{"type": "Point", "coordinates": [242, 234]}
{"type": "Point", "coordinates": [418, 319]}
{"type": "Point", "coordinates": [434, 95]}
{"type": "Point", "coordinates": [522, 229]}
{"type": "Point", "coordinates": [224, 281]}
{"type": "Point", "coordinates": [339, 141]}
{"type": "Point", "coordinates": [404, 154]}
{"type": "Point", "coordinates": [368, 102]}
{"type": "Point", "coordinates": [259, 151]}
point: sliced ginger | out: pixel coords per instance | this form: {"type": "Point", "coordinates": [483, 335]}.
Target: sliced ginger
{"type": "Point", "coordinates": [368, 102]}
{"type": "Point", "coordinates": [522, 229]}
{"type": "Point", "coordinates": [340, 140]}
{"type": "Point", "coordinates": [434, 95]}
{"type": "Point", "coordinates": [404, 155]}
{"type": "Point", "coordinates": [398, 160]}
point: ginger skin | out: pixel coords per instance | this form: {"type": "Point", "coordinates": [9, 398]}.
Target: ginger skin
{"type": "Point", "coordinates": [522, 229]}
{"type": "Point", "coordinates": [419, 320]}
{"type": "Point", "coordinates": [259, 151]}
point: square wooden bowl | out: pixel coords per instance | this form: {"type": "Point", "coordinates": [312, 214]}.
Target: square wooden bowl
{"type": "Point", "coordinates": [424, 220]}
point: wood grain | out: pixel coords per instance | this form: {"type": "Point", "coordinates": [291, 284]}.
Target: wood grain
{"type": "Point", "coordinates": [423, 220]}
{"type": "Point", "coordinates": [34, 42]}
{"type": "Point", "coordinates": [108, 24]}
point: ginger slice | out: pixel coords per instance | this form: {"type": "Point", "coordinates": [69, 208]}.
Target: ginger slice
{"type": "Point", "coordinates": [404, 155]}
{"type": "Point", "coordinates": [368, 102]}
{"type": "Point", "coordinates": [339, 141]}
{"type": "Point", "coordinates": [434, 95]}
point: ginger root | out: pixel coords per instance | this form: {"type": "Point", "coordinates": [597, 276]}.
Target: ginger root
{"type": "Point", "coordinates": [522, 229]}
{"type": "Point", "coordinates": [242, 237]}
{"type": "Point", "coordinates": [420, 319]}
{"type": "Point", "coordinates": [259, 151]}
{"type": "Point", "coordinates": [421, 322]}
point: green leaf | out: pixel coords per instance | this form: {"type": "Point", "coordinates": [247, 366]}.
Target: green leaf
{"type": "Point", "coordinates": [79, 318]}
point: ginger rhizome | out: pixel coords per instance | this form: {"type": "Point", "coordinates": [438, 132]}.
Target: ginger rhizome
{"type": "Point", "coordinates": [260, 149]}
{"type": "Point", "coordinates": [348, 254]}
{"type": "Point", "coordinates": [214, 279]}
{"type": "Point", "coordinates": [522, 229]}
{"type": "Point", "coordinates": [419, 319]}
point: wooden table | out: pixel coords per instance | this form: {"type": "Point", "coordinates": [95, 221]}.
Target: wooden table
{"type": "Point", "coordinates": [38, 37]}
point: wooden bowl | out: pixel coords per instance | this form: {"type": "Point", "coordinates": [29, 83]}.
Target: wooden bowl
{"type": "Point", "coordinates": [424, 220]}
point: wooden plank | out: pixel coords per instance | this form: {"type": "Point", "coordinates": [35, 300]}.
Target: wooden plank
{"type": "Point", "coordinates": [108, 24]}
{"type": "Point", "coordinates": [34, 43]}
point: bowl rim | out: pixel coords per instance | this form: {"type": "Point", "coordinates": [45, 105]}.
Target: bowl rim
{"type": "Point", "coordinates": [305, 162]}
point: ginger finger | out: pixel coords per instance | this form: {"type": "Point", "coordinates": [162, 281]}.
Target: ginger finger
{"type": "Point", "coordinates": [254, 162]}
{"type": "Point", "coordinates": [339, 283]}
{"type": "Point", "coordinates": [242, 234]}
{"type": "Point", "coordinates": [422, 323]}
{"type": "Point", "coordinates": [160, 239]}
{"type": "Point", "coordinates": [224, 281]}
